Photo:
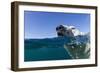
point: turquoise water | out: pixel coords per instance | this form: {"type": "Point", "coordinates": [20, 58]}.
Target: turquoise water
{"type": "Point", "coordinates": [46, 54]}
{"type": "Point", "coordinates": [45, 49]}
{"type": "Point", "coordinates": [53, 48]}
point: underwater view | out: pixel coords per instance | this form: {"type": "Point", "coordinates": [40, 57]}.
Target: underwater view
{"type": "Point", "coordinates": [58, 48]}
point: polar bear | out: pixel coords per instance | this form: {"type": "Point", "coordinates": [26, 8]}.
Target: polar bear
{"type": "Point", "coordinates": [80, 50]}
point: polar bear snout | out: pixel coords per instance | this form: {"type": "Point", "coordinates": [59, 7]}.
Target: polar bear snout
{"type": "Point", "coordinates": [60, 30]}
{"type": "Point", "coordinates": [60, 27]}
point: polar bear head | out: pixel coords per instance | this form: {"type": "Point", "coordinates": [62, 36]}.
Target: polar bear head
{"type": "Point", "coordinates": [63, 30]}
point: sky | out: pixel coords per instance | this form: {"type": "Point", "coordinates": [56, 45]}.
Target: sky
{"type": "Point", "coordinates": [43, 24]}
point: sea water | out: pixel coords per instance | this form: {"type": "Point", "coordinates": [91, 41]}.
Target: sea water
{"type": "Point", "coordinates": [57, 48]}
{"type": "Point", "coordinates": [46, 54]}
{"type": "Point", "coordinates": [45, 49]}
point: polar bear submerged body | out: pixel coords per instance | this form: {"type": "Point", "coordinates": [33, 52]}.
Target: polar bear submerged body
{"type": "Point", "coordinates": [75, 48]}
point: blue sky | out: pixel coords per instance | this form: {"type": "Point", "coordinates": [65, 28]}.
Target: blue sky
{"type": "Point", "coordinates": [43, 24]}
